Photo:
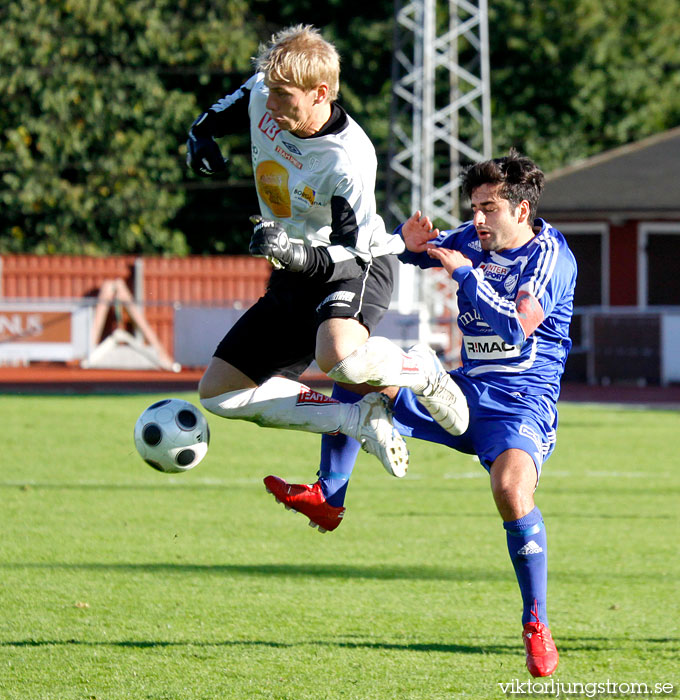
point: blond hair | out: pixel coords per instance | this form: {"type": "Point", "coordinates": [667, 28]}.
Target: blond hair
{"type": "Point", "coordinates": [299, 55]}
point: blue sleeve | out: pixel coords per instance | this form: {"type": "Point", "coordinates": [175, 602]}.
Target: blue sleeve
{"type": "Point", "coordinates": [445, 239]}
{"type": "Point", "coordinates": [422, 260]}
{"type": "Point", "coordinates": [553, 275]}
{"type": "Point", "coordinates": [549, 277]}
{"type": "Point", "coordinates": [500, 313]}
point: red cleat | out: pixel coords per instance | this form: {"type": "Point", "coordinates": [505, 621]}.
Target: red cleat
{"type": "Point", "coordinates": [542, 656]}
{"type": "Point", "coordinates": [306, 499]}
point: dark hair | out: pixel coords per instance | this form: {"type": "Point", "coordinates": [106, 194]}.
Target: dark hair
{"type": "Point", "coordinates": [520, 178]}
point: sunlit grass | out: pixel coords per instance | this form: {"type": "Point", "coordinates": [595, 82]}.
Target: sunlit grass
{"type": "Point", "coordinates": [119, 582]}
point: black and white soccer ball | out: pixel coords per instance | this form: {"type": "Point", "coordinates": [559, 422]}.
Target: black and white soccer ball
{"type": "Point", "coordinates": [172, 435]}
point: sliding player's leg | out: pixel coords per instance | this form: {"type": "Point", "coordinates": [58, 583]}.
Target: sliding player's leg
{"type": "Point", "coordinates": [253, 376]}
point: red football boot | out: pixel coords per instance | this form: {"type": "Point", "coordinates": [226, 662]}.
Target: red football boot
{"type": "Point", "coordinates": [307, 499]}
{"type": "Point", "coordinates": [542, 656]}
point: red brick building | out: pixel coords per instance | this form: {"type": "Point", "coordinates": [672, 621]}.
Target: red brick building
{"type": "Point", "coordinates": [620, 211]}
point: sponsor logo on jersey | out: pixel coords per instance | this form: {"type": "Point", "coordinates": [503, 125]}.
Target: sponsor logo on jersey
{"type": "Point", "coordinates": [289, 157]}
{"type": "Point", "coordinates": [510, 283]}
{"type": "Point", "coordinates": [305, 193]}
{"type": "Point", "coordinates": [489, 347]}
{"type": "Point", "coordinates": [470, 317]}
{"type": "Point", "coordinates": [268, 126]}
{"type": "Point", "coordinates": [494, 271]}
{"type": "Point", "coordinates": [272, 185]}
{"type": "Point", "coordinates": [308, 397]}
{"type": "Point", "coordinates": [292, 147]}
{"type": "Point", "coordinates": [475, 245]}
{"type": "Point", "coordinates": [337, 296]}
{"type": "Point", "coordinates": [308, 195]}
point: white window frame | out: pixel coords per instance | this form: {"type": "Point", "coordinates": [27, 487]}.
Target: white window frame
{"type": "Point", "coordinates": [601, 228]}
{"type": "Point", "coordinates": [644, 229]}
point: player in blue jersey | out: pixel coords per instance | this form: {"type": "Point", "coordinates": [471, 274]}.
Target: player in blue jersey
{"type": "Point", "coordinates": [516, 279]}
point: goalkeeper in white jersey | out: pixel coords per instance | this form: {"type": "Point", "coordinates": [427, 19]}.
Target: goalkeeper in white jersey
{"type": "Point", "coordinates": [333, 260]}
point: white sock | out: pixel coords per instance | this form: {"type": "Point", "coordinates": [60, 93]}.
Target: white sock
{"type": "Point", "coordinates": [283, 403]}
{"type": "Point", "coordinates": [380, 362]}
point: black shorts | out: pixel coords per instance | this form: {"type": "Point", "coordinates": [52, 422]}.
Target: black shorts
{"type": "Point", "coordinates": [277, 335]}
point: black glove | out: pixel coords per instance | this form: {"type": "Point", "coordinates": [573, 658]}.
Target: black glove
{"type": "Point", "coordinates": [203, 154]}
{"type": "Point", "coordinates": [270, 240]}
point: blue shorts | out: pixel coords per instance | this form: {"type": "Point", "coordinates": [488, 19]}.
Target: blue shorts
{"type": "Point", "coordinates": [499, 420]}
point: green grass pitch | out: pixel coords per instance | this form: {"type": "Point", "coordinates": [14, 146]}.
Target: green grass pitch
{"type": "Point", "coordinates": [118, 582]}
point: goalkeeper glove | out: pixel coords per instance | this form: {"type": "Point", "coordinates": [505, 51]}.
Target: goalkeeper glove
{"type": "Point", "coordinates": [203, 154]}
{"type": "Point", "coordinates": [270, 240]}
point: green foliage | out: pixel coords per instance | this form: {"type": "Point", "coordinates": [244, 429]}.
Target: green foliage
{"type": "Point", "coordinates": [96, 99]}
{"type": "Point", "coordinates": [119, 582]}
{"type": "Point", "coordinates": [93, 130]}
{"type": "Point", "coordinates": [573, 78]}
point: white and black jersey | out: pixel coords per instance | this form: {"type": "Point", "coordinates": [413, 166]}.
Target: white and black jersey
{"type": "Point", "coordinates": [321, 188]}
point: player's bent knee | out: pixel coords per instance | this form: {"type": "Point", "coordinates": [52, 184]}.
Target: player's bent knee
{"type": "Point", "coordinates": [326, 364]}
{"type": "Point", "coordinates": [367, 364]}
{"type": "Point", "coordinates": [351, 370]}
{"type": "Point", "coordinates": [513, 480]}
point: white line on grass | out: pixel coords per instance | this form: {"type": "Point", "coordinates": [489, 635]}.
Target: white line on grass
{"type": "Point", "coordinates": [179, 481]}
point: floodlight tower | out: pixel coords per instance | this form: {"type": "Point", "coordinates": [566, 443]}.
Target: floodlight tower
{"type": "Point", "coordinates": [440, 122]}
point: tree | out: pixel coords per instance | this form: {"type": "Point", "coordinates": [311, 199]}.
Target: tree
{"type": "Point", "coordinates": [93, 129]}
{"type": "Point", "coordinates": [97, 98]}
{"type": "Point", "coordinates": [571, 78]}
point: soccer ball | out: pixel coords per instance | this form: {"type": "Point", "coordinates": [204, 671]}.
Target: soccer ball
{"type": "Point", "coordinates": [172, 435]}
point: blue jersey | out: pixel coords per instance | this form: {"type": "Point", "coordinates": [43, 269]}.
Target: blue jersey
{"type": "Point", "coordinates": [495, 347]}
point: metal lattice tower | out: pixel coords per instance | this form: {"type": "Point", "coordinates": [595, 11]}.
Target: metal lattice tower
{"type": "Point", "coordinates": [440, 122]}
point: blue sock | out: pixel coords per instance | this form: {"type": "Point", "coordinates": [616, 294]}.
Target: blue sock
{"type": "Point", "coordinates": [528, 549]}
{"type": "Point", "coordinates": [338, 454]}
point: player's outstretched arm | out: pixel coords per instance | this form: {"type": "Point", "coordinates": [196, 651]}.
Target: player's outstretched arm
{"type": "Point", "coordinates": [203, 154]}
{"type": "Point", "coordinates": [228, 115]}
{"type": "Point", "coordinates": [418, 233]}
{"type": "Point", "coordinates": [450, 259]}
{"type": "Point", "coordinates": [513, 320]}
